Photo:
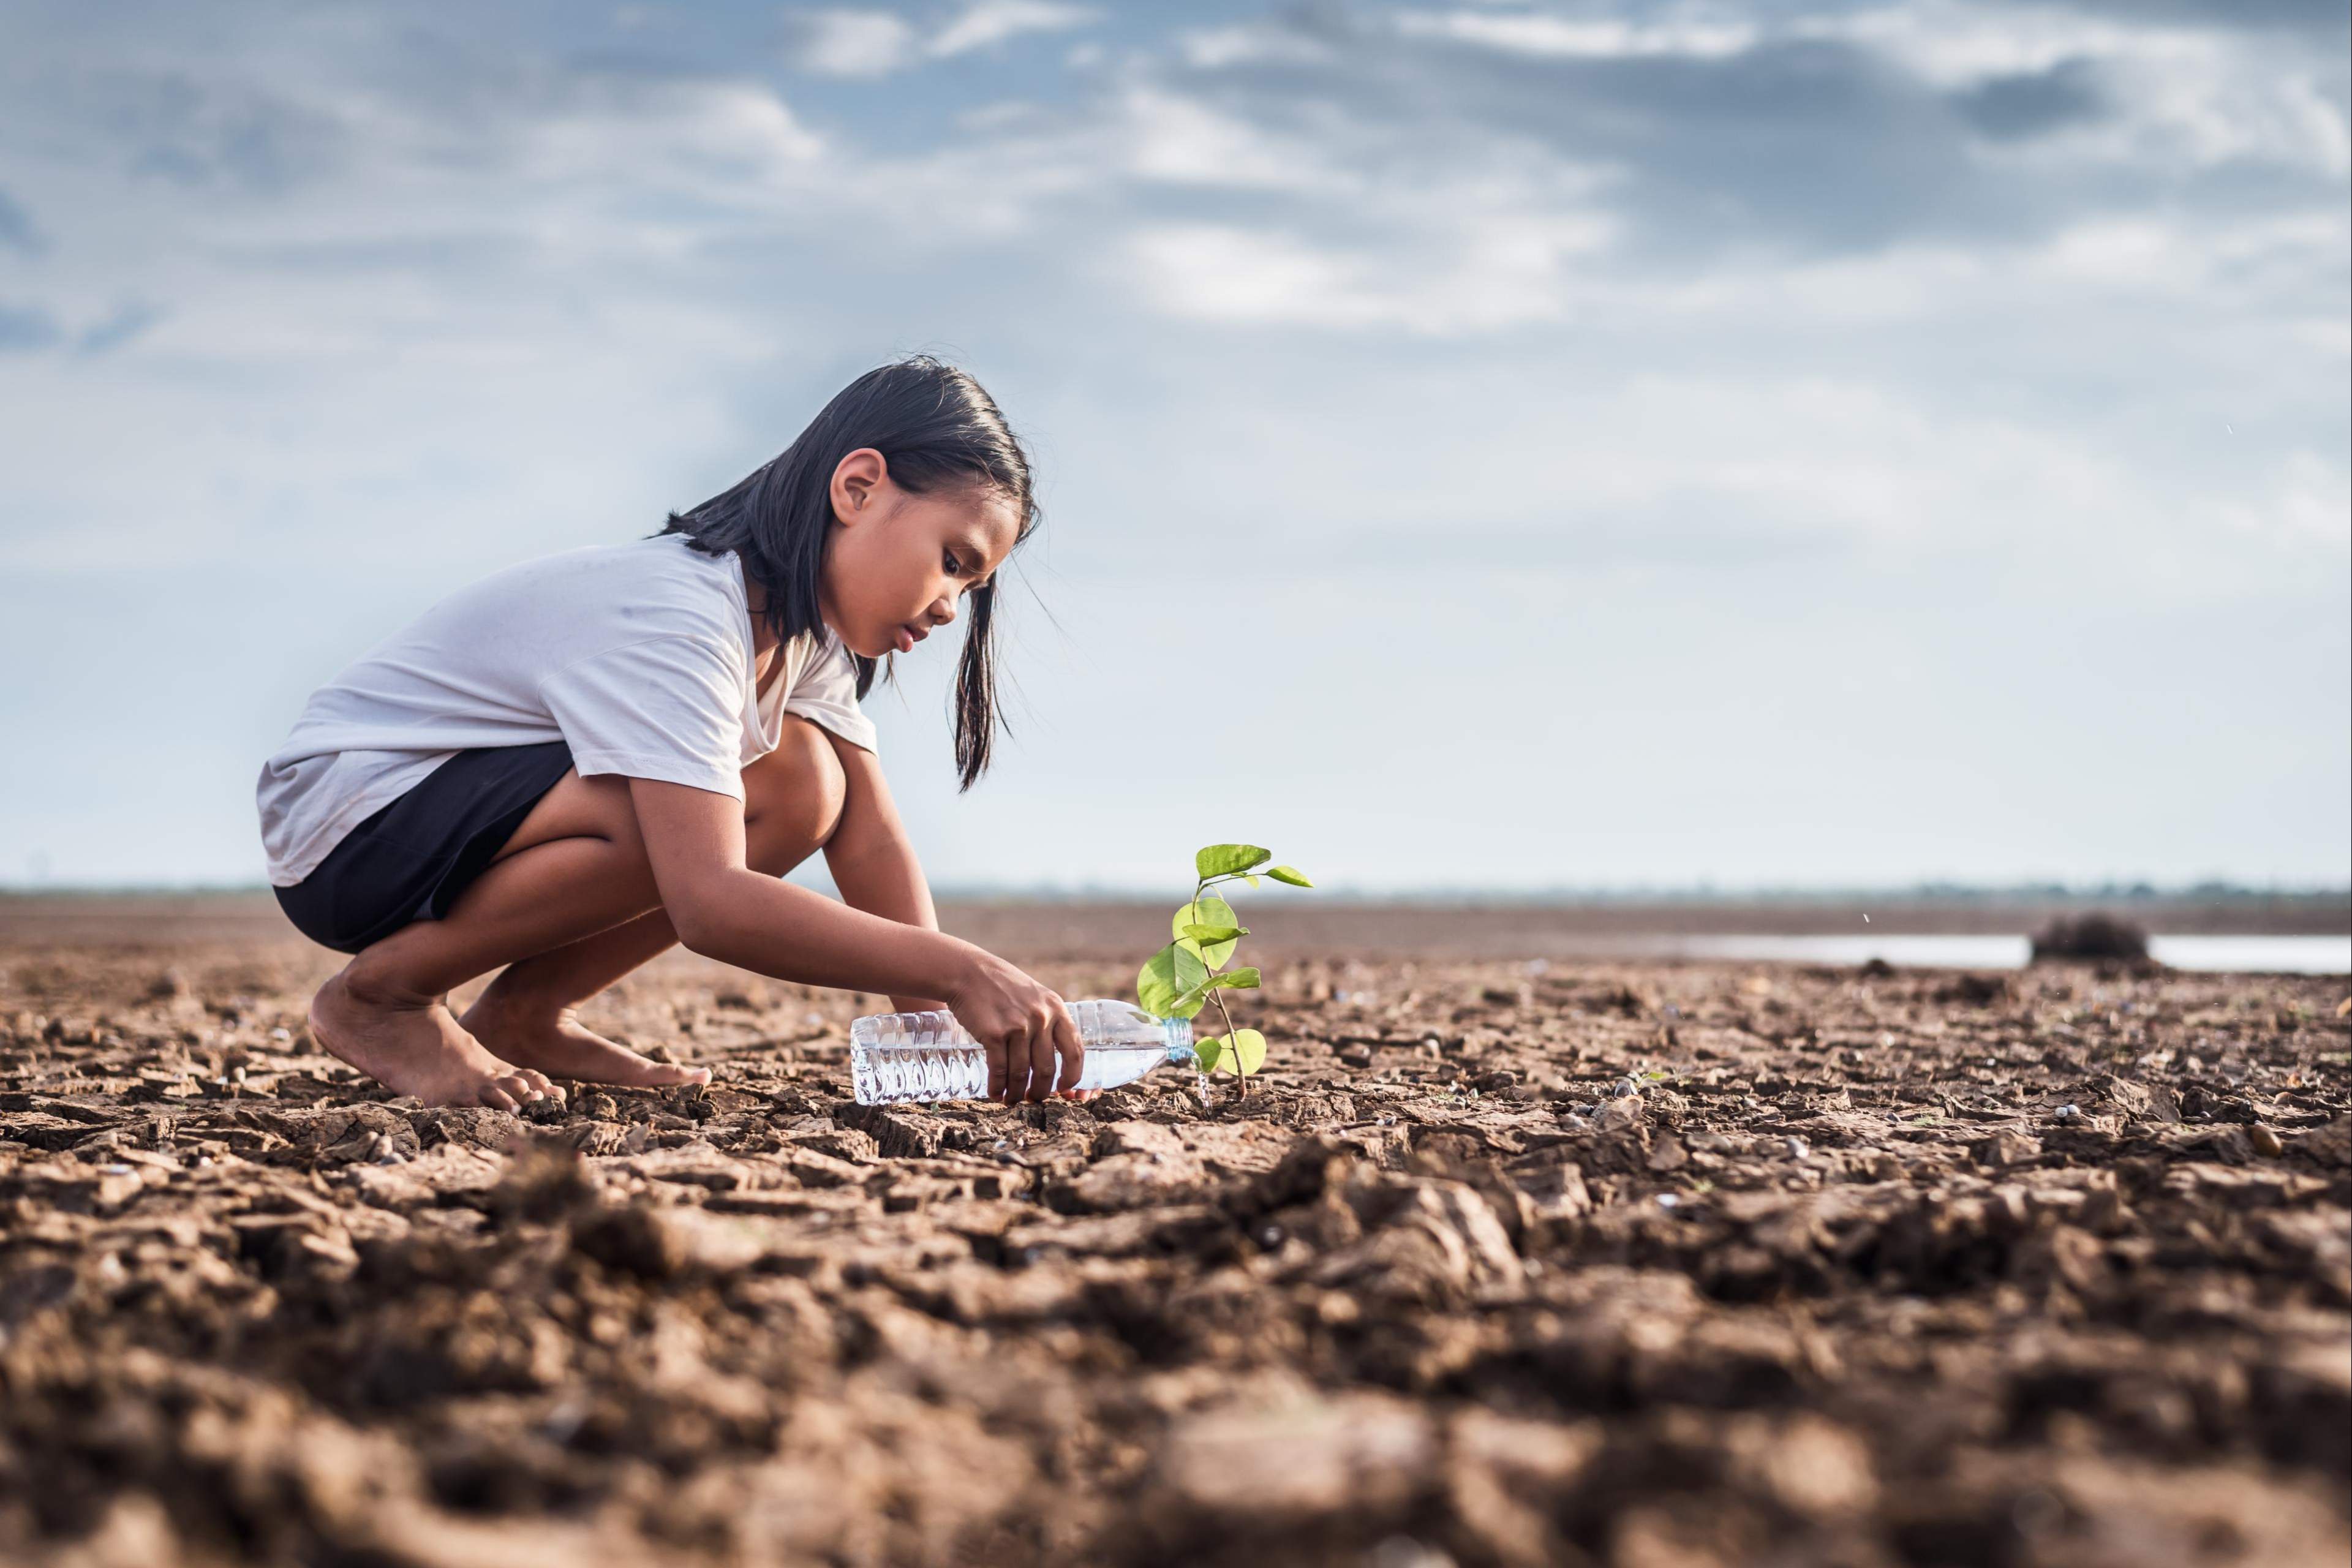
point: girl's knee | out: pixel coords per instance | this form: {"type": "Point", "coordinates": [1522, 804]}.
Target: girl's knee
{"type": "Point", "coordinates": [798, 790]}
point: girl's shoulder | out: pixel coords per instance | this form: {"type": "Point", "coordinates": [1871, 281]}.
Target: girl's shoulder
{"type": "Point", "coordinates": [653, 585]}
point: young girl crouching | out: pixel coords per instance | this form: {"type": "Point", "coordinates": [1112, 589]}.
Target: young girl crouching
{"type": "Point", "coordinates": [573, 764]}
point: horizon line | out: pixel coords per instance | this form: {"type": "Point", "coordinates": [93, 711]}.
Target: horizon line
{"type": "Point", "coordinates": [2135, 890]}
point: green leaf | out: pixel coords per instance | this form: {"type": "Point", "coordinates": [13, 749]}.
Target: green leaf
{"type": "Point", "coordinates": [1166, 977]}
{"type": "Point", "coordinates": [1239, 979]}
{"type": "Point", "coordinates": [1189, 1002]}
{"type": "Point", "coordinates": [1208, 910]}
{"type": "Point", "coordinates": [1210, 1052]}
{"type": "Point", "coordinates": [1209, 936]}
{"type": "Point", "coordinates": [1252, 878]}
{"type": "Point", "coordinates": [1249, 1050]}
{"type": "Point", "coordinates": [1225, 860]}
{"type": "Point", "coordinates": [1290, 874]}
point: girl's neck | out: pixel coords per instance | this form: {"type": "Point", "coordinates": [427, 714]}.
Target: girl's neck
{"type": "Point", "coordinates": [763, 636]}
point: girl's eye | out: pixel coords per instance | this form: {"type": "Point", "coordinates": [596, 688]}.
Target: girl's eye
{"type": "Point", "coordinates": [955, 566]}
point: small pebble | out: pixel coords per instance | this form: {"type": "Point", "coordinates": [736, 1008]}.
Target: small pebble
{"type": "Point", "coordinates": [2266, 1142]}
{"type": "Point", "coordinates": [1625, 1087]}
{"type": "Point", "coordinates": [563, 1423]}
{"type": "Point", "coordinates": [1669, 1201]}
{"type": "Point", "coordinates": [2067, 1113]}
{"type": "Point", "coordinates": [1798, 1148]}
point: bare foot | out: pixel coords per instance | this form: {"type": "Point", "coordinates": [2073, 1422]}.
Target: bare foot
{"type": "Point", "coordinates": [415, 1046]}
{"type": "Point", "coordinates": [555, 1042]}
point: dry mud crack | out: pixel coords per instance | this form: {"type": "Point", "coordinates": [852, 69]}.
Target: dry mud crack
{"type": "Point", "coordinates": [1628, 1266]}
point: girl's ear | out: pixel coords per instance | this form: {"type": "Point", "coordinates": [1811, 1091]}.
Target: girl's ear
{"type": "Point", "coordinates": [857, 482]}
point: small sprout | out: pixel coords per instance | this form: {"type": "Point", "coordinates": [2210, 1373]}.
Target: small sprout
{"type": "Point", "coordinates": [1190, 974]}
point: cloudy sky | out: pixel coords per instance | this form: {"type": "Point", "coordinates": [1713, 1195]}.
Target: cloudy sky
{"type": "Point", "coordinates": [1505, 444]}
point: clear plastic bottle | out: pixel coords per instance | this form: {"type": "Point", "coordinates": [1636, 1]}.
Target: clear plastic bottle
{"type": "Point", "coordinates": [895, 1057]}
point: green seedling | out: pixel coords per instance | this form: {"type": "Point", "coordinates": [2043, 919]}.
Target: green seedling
{"type": "Point", "coordinates": [1189, 973]}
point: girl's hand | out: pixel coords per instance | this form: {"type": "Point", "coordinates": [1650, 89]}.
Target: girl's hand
{"type": "Point", "coordinates": [1023, 1027]}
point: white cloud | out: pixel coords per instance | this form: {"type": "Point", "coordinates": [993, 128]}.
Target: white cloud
{"type": "Point", "coordinates": [989, 22]}
{"type": "Point", "coordinates": [1250, 43]}
{"type": "Point", "coordinates": [1184, 141]}
{"type": "Point", "coordinates": [871, 43]}
{"type": "Point", "coordinates": [2210, 95]}
{"type": "Point", "coordinates": [856, 43]}
{"type": "Point", "coordinates": [1562, 38]}
{"type": "Point", "coordinates": [2310, 502]}
{"type": "Point", "coordinates": [1500, 270]}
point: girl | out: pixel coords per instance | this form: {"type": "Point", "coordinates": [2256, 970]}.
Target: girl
{"type": "Point", "coordinates": [576, 762]}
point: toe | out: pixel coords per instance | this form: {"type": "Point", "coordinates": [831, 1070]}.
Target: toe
{"type": "Point", "coordinates": [497, 1098]}
{"type": "Point", "coordinates": [518, 1085]}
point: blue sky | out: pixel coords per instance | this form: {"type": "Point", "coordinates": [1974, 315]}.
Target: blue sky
{"type": "Point", "coordinates": [1523, 445]}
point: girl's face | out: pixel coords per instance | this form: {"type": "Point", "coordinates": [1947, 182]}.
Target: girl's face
{"type": "Point", "coordinates": [898, 563]}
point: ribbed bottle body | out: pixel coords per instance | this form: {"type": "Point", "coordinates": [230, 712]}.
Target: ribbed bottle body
{"type": "Point", "coordinates": [898, 1058]}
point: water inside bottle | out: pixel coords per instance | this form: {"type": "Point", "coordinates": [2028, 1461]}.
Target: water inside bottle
{"type": "Point", "coordinates": [914, 1056]}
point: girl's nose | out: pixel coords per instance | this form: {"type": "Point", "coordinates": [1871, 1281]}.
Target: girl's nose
{"type": "Point", "coordinates": [943, 611]}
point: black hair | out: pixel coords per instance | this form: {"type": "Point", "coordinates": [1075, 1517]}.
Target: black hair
{"type": "Point", "coordinates": [936, 427]}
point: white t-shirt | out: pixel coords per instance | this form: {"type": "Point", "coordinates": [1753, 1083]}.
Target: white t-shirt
{"type": "Point", "coordinates": [638, 656]}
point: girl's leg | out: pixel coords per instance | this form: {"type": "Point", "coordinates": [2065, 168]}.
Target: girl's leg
{"type": "Point", "coordinates": [576, 868]}
{"type": "Point", "coordinates": [530, 1014]}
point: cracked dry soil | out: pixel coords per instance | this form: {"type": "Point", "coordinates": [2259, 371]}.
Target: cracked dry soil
{"type": "Point", "coordinates": [1656, 1266]}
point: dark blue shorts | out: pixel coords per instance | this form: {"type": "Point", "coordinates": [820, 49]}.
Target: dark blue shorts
{"type": "Point", "coordinates": [410, 860]}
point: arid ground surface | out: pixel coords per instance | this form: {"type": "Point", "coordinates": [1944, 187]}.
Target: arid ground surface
{"type": "Point", "coordinates": [1504, 1261]}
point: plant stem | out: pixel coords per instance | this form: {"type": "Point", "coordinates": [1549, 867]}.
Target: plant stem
{"type": "Point", "coordinates": [1232, 1044]}
{"type": "Point", "coordinates": [1217, 997]}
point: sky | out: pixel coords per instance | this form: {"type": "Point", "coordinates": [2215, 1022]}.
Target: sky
{"type": "Point", "coordinates": [1503, 444]}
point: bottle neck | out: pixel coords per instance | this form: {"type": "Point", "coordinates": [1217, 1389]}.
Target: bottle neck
{"type": "Point", "coordinates": [1177, 1034]}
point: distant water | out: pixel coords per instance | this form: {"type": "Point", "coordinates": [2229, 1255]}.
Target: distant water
{"type": "Point", "coordinates": [2239, 954]}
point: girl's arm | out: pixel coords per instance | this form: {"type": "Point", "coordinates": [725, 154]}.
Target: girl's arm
{"type": "Point", "coordinates": [871, 859]}
{"type": "Point", "coordinates": [722, 908]}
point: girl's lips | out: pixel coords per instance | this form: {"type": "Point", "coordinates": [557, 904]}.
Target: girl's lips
{"type": "Point", "coordinates": [907, 637]}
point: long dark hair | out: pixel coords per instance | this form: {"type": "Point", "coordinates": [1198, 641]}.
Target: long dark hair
{"type": "Point", "coordinates": [936, 427]}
